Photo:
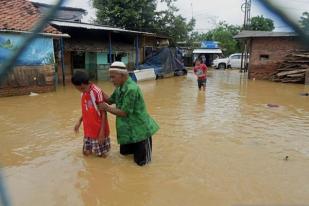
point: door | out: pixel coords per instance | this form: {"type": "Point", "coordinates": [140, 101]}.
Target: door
{"type": "Point", "coordinates": [78, 60]}
{"type": "Point", "coordinates": [235, 61]}
{"type": "Point", "coordinates": [91, 64]}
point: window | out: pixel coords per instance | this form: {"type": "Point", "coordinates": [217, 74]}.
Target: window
{"type": "Point", "coordinates": [264, 57]}
{"type": "Point", "coordinates": [78, 59]}
{"type": "Point", "coordinates": [120, 55]}
{"type": "Point", "coordinates": [235, 57]}
{"type": "Point", "coordinates": [111, 60]}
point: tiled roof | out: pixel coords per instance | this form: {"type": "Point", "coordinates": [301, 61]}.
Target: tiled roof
{"type": "Point", "coordinates": [21, 15]}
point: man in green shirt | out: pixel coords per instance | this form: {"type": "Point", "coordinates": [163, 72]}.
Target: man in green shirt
{"type": "Point", "coordinates": [134, 125]}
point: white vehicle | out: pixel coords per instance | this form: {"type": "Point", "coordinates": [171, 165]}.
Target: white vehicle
{"type": "Point", "coordinates": [233, 61]}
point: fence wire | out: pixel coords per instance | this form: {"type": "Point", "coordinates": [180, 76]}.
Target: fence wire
{"type": "Point", "coordinates": [4, 200]}
{"type": "Point", "coordinates": [279, 12]}
{"type": "Point", "coordinates": [8, 65]}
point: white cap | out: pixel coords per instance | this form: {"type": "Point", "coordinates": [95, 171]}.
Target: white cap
{"type": "Point", "coordinates": [119, 67]}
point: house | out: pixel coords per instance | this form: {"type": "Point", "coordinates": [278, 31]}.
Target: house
{"type": "Point", "coordinates": [208, 52]}
{"type": "Point", "coordinates": [94, 47]}
{"type": "Point", "coordinates": [267, 50]}
{"type": "Point", "coordinates": [65, 45]}
{"type": "Point", "coordinates": [34, 69]}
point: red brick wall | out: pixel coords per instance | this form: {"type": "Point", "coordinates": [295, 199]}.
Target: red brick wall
{"type": "Point", "coordinates": [277, 48]}
{"type": "Point", "coordinates": [25, 79]}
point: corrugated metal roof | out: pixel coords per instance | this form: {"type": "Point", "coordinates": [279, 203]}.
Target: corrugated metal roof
{"type": "Point", "coordinates": [95, 27]}
{"type": "Point", "coordinates": [207, 51]}
{"type": "Point", "coordinates": [256, 34]}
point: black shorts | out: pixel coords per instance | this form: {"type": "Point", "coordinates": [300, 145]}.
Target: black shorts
{"type": "Point", "coordinates": [141, 151]}
{"type": "Point", "coordinates": [201, 83]}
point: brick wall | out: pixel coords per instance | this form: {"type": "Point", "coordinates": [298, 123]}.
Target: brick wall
{"type": "Point", "coordinates": [25, 79]}
{"type": "Point", "coordinates": [276, 48]}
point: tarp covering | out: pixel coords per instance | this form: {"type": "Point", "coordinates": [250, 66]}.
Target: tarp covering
{"type": "Point", "coordinates": [164, 61]}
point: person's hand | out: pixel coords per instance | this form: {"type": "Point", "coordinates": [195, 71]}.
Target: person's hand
{"type": "Point", "coordinates": [77, 126]}
{"type": "Point", "coordinates": [103, 106]}
{"type": "Point", "coordinates": [105, 96]}
{"type": "Point", "coordinates": [101, 138]}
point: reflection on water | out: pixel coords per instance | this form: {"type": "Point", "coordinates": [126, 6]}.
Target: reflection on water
{"type": "Point", "coordinates": [222, 147]}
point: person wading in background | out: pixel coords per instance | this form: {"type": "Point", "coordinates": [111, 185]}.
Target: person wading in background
{"type": "Point", "coordinates": [200, 70]}
{"type": "Point", "coordinates": [134, 125]}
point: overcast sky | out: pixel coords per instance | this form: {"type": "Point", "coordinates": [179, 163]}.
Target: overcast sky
{"type": "Point", "coordinates": [209, 12]}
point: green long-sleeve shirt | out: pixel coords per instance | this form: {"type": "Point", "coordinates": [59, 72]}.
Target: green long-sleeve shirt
{"type": "Point", "coordinates": [137, 125]}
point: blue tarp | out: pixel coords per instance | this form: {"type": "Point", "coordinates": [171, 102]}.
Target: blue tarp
{"type": "Point", "coordinates": [164, 61]}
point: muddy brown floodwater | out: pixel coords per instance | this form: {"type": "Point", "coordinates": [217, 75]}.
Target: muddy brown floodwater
{"type": "Point", "coordinates": [222, 147]}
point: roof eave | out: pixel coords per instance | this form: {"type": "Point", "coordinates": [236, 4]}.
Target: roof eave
{"type": "Point", "coordinates": [103, 28]}
{"type": "Point", "coordinates": [42, 34]}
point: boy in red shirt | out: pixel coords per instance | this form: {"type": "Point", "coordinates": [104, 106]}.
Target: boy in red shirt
{"type": "Point", "coordinates": [200, 70]}
{"type": "Point", "coordinates": [95, 123]}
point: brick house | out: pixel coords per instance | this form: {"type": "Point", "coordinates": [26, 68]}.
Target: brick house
{"type": "Point", "coordinates": [34, 69]}
{"type": "Point", "coordinates": [267, 50]}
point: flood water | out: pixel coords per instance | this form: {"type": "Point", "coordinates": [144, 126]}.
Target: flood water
{"type": "Point", "coordinates": [222, 147]}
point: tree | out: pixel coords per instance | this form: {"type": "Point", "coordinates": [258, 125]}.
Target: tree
{"type": "Point", "coordinates": [142, 15]}
{"type": "Point", "coordinates": [260, 23]}
{"type": "Point", "coordinates": [172, 25]}
{"type": "Point", "coordinates": [304, 21]}
{"type": "Point", "coordinates": [223, 33]}
{"type": "Point", "coordinates": [129, 14]}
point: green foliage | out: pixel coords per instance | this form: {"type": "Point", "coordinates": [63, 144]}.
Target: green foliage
{"type": "Point", "coordinates": [142, 15]}
{"type": "Point", "coordinates": [260, 23]}
{"type": "Point", "coordinates": [223, 33]}
{"type": "Point", "coordinates": [130, 14]}
{"type": "Point", "coordinates": [304, 20]}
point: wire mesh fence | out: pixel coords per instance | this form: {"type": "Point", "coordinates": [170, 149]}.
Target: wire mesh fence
{"type": "Point", "coordinates": [8, 65]}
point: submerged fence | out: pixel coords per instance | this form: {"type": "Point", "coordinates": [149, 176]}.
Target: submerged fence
{"type": "Point", "coordinates": [8, 65]}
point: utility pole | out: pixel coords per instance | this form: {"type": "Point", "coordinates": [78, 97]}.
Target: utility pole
{"type": "Point", "coordinates": [246, 9]}
{"type": "Point", "coordinates": [192, 9]}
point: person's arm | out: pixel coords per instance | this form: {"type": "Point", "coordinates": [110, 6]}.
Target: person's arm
{"type": "Point", "coordinates": [102, 134]}
{"type": "Point", "coordinates": [194, 71]}
{"type": "Point", "coordinates": [77, 125]}
{"type": "Point", "coordinates": [204, 70]}
{"type": "Point", "coordinates": [106, 97]}
{"type": "Point", "coordinates": [126, 108]}
{"type": "Point", "coordinates": [111, 99]}
{"type": "Point", "coordinates": [112, 110]}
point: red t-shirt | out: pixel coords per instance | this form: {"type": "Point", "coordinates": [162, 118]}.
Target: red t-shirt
{"type": "Point", "coordinates": [200, 71]}
{"type": "Point", "coordinates": [91, 115]}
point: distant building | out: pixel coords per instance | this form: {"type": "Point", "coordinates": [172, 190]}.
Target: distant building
{"type": "Point", "coordinates": [267, 50]}
{"type": "Point", "coordinates": [34, 70]}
